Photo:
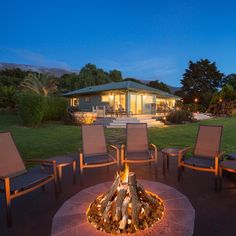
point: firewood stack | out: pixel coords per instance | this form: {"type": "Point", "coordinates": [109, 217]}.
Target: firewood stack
{"type": "Point", "coordinates": [125, 208]}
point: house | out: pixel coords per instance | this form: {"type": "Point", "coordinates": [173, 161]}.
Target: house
{"type": "Point", "coordinates": [127, 96]}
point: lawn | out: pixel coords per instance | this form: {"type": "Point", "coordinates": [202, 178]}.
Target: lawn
{"type": "Point", "coordinates": [53, 138]}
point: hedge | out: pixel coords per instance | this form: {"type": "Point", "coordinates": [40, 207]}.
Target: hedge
{"type": "Point", "coordinates": [31, 108]}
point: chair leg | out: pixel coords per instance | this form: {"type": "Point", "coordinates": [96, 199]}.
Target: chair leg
{"type": "Point", "coordinates": [156, 172]}
{"type": "Point", "coordinates": [179, 173]}
{"type": "Point", "coordinates": [81, 177]}
{"type": "Point", "coordinates": [220, 179]}
{"type": "Point", "coordinates": [59, 172]}
{"type": "Point", "coordinates": [164, 166]}
{"type": "Point", "coordinates": [8, 202]}
{"type": "Point", "coordinates": [74, 171]}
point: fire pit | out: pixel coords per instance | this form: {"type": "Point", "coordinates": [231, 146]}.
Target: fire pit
{"type": "Point", "coordinates": [126, 208]}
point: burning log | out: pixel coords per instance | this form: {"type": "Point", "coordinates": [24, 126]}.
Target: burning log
{"type": "Point", "coordinates": [105, 214]}
{"type": "Point", "coordinates": [125, 216]}
{"type": "Point", "coordinates": [126, 207]}
{"type": "Point", "coordinates": [148, 197]}
{"type": "Point", "coordinates": [120, 198]}
{"type": "Point", "coordinates": [110, 193]}
{"type": "Point", "coordinates": [136, 205]}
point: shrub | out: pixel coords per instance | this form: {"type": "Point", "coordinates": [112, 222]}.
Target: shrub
{"type": "Point", "coordinates": [55, 108]}
{"type": "Point", "coordinates": [31, 108]}
{"type": "Point", "coordinates": [179, 117]}
{"type": "Point", "coordinates": [194, 107]}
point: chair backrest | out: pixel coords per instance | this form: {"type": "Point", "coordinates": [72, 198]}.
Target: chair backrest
{"type": "Point", "coordinates": [208, 140]}
{"type": "Point", "coordinates": [136, 137]}
{"type": "Point", "coordinates": [11, 163]}
{"type": "Point", "coordinates": [94, 142]}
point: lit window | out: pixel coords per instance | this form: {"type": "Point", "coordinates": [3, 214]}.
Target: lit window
{"type": "Point", "coordinates": [105, 98]}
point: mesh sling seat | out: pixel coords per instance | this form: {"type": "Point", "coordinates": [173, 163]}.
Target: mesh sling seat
{"type": "Point", "coordinates": [137, 150]}
{"type": "Point", "coordinates": [95, 152]}
{"type": "Point", "coordinates": [206, 153]}
{"type": "Point", "coordinates": [15, 180]}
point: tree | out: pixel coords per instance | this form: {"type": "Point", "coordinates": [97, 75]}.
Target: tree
{"type": "Point", "coordinates": [40, 84]}
{"type": "Point", "coordinates": [68, 82]}
{"type": "Point", "coordinates": [7, 96]}
{"type": "Point", "coordinates": [201, 80]}
{"type": "Point", "coordinates": [115, 75]}
{"type": "Point", "coordinates": [90, 75]}
{"type": "Point", "coordinates": [231, 80]}
{"type": "Point", "coordinates": [159, 85]}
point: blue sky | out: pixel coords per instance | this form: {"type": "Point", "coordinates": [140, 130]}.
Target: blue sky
{"type": "Point", "coordinates": [144, 39]}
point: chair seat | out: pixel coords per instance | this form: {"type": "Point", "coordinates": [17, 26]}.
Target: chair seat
{"type": "Point", "coordinates": [200, 162]}
{"type": "Point", "coordinates": [137, 156]}
{"type": "Point", "coordinates": [27, 180]}
{"type": "Point", "coordinates": [230, 164]}
{"type": "Point", "coordinates": [98, 159]}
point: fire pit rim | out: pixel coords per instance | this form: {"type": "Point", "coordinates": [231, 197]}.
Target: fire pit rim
{"type": "Point", "coordinates": [179, 213]}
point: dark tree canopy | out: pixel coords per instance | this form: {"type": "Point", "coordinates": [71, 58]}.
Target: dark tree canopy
{"type": "Point", "coordinates": [115, 75]}
{"type": "Point", "coordinates": [201, 80]}
{"type": "Point", "coordinates": [231, 80]}
{"type": "Point", "coordinates": [159, 85]}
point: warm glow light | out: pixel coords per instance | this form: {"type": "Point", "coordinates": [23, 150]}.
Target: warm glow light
{"type": "Point", "coordinates": [125, 174]}
{"type": "Point", "coordinates": [195, 100]}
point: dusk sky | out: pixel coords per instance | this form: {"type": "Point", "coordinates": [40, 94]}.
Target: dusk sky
{"type": "Point", "coordinates": [144, 39]}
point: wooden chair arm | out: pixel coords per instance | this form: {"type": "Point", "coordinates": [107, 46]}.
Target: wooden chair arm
{"type": "Point", "coordinates": [181, 153]}
{"type": "Point", "coordinates": [184, 150]}
{"type": "Point", "coordinates": [113, 147]}
{"type": "Point", "coordinates": [219, 155]}
{"type": "Point", "coordinates": [153, 146]}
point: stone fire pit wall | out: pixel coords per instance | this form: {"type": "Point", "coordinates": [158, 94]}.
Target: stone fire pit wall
{"type": "Point", "coordinates": [178, 217]}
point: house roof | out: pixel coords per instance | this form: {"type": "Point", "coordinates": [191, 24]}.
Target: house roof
{"type": "Point", "coordinates": [123, 85]}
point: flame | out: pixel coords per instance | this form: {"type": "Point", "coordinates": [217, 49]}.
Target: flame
{"type": "Point", "coordinates": [125, 174]}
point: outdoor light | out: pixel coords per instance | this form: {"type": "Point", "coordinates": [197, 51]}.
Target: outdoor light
{"type": "Point", "coordinates": [196, 100]}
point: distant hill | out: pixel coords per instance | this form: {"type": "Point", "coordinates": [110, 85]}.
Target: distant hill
{"type": "Point", "coordinates": [40, 69]}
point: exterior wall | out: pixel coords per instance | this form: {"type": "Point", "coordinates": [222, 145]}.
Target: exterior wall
{"type": "Point", "coordinates": [86, 103]}
{"type": "Point", "coordinates": [144, 103]}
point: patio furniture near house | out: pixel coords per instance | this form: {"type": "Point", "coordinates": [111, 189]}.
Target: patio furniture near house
{"type": "Point", "coordinates": [96, 153]}
{"type": "Point", "coordinates": [61, 162]}
{"type": "Point", "coordinates": [166, 154]}
{"type": "Point", "coordinates": [229, 166]}
{"type": "Point", "coordinates": [15, 180]}
{"type": "Point", "coordinates": [206, 153]}
{"type": "Point", "coordinates": [137, 150]}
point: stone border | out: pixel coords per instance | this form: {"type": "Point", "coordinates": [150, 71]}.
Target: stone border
{"type": "Point", "coordinates": [178, 217]}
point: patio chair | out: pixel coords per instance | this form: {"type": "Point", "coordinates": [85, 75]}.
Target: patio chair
{"type": "Point", "coordinates": [206, 153]}
{"type": "Point", "coordinates": [15, 180]}
{"type": "Point", "coordinates": [95, 152]}
{"type": "Point", "coordinates": [137, 149]}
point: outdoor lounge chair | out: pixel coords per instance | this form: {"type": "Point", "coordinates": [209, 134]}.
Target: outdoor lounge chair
{"type": "Point", "coordinates": [96, 153]}
{"type": "Point", "coordinates": [15, 180]}
{"type": "Point", "coordinates": [137, 149]}
{"type": "Point", "coordinates": [206, 153]}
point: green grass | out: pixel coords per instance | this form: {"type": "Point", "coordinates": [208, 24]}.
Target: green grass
{"type": "Point", "coordinates": [53, 138]}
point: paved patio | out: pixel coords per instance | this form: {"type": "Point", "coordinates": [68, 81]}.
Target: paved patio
{"type": "Point", "coordinates": [215, 212]}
